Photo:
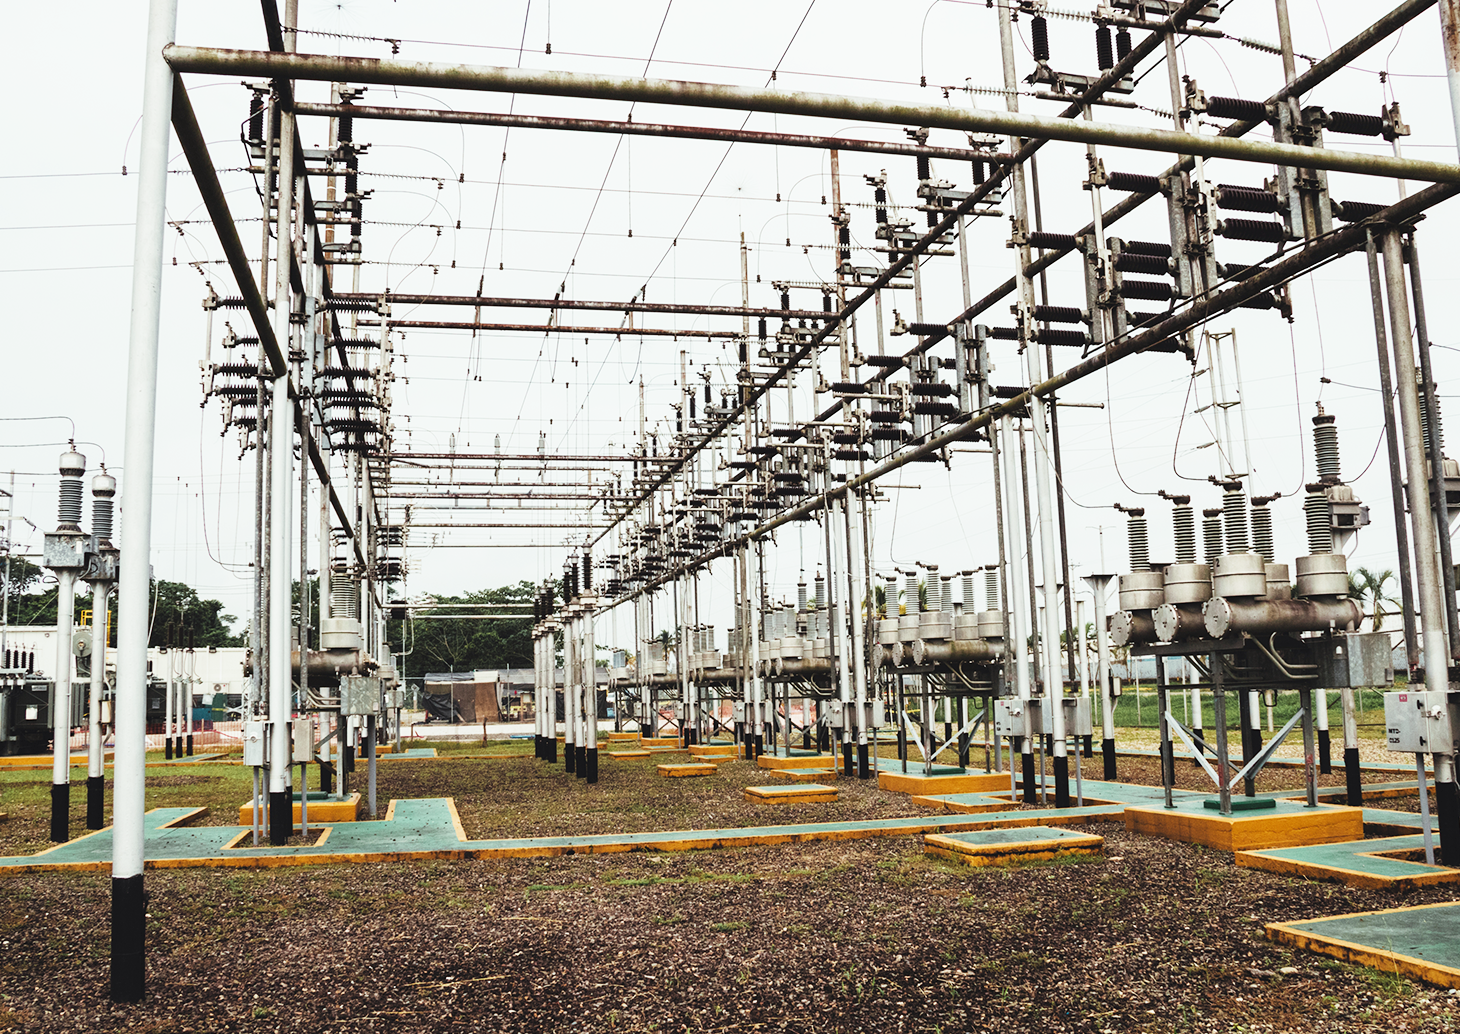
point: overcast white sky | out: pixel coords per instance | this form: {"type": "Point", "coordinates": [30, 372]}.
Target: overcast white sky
{"type": "Point", "coordinates": [559, 209]}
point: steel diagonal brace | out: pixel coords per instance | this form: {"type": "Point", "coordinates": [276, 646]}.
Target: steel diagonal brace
{"type": "Point", "coordinates": [1256, 764]}
{"type": "Point", "coordinates": [1180, 730]}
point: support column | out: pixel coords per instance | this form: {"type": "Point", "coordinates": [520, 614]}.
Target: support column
{"type": "Point", "coordinates": [128, 904]}
{"type": "Point", "coordinates": [281, 482]}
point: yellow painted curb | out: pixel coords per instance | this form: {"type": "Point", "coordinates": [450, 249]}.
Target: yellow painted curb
{"type": "Point", "coordinates": [973, 782]}
{"type": "Point", "coordinates": [321, 812]}
{"type": "Point", "coordinates": [1011, 853]}
{"type": "Point", "coordinates": [1366, 954]}
{"type": "Point", "coordinates": [789, 794]}
{"type": "Point", "coordinates": [1249, 831]}
{"type": "Point", "coordinates": [816, 761]}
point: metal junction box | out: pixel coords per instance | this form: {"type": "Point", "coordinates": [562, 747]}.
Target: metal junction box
{"type": "Point", "coordinates": [359, 694]}
{"type": "Point", "coordinates": [1354, 660]}
{"type": "Point", "coordinates": [1419, 723]}
{"type": "Point", "coordinates": [303, 740]}
{"type": "Point", "coordinates": [255, 743]}
{"type": "Point", "coordinates": [1009, 716]}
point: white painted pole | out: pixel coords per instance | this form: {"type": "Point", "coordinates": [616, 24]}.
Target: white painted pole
{"type": "Point", "coordinates": [128, 973]}
{"type": "Point", "coordinates": [281, 473]}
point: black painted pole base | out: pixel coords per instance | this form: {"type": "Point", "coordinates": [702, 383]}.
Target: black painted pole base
{"type": "Point", "coordinates": [1447, 811]}
{"type": "Point", "coordinates": [1107, 751]}
{"type": "Point", "coordinates": [581, 770]}
{"type": "Point", "coordinates": [759, 744]}
{"type": "Point", "coordinates": [748, 742]}
{"type": "Point", "coordinates": [864, 767]}
{"type": "Point", "coordinates": [1201, 738]}
{"type": "Point", "coordinates": [552, 749]}
{"type": "Point", "coordinates": [326, 777]}
{"type": "Point", "coordinates": [190, 745]}
{"type": "Point", "coordinates": [1030, 778]}
{"type": "Point", "coordinates": [60, 812]}
{"type": "Point", "coordinates": [590, 761]}
{"type": "Point", "coordinates": [570, 757]}
{"type": "Point", "coordinates": [129, 938]}
{"type": "Point", "coordinates": [901, 744]}
{"type": "Point", "coordinates": [167, 748]}
{"type": "Point", "coordinates": [847, 758]}
{"type": "Point", "coordinates": [823, 738]}
{"type": "Point", "coordinates": [95, 801]}
{"type": "Point", "coordinates": [281, 816]}
{"type": "Point", "coordinates": [1352, 777]}
{"type": "Point", "coordinates": [349, 759]}
{"type": "Point", "coordinates": [1325, 759]}
{"type": "Point", "coordinates": [806, 740]}
{"type": "Point", "coordinates": [1062, 781]}
{"type": "Point", "coordinates": [1089, 746]}
{"type": "Point", "coordinates": [963, 750]}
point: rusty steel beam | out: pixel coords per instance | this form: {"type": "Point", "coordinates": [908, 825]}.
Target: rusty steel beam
{"type": "Point", "coordinates": [478, 301]}
{"type": "Point", "coordinates": [584, 125]}
{"type": "Point", "coordinates": [495, 79]}
{"type": "Point", "coordinates": [549, 328]}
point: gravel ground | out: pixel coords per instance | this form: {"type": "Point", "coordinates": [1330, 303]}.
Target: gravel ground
{"type": "Point", "coordinates": [829, 936]}
{"type": "Point", "coordinates": [866, 935]}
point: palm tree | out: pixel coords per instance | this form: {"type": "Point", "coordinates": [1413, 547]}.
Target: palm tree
{"type": "Point", "coordinates": [1370, 586]}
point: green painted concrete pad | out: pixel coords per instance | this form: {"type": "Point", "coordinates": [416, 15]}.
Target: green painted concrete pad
{"type": "Point", "coordinates": [1429, 934]}
{"type": "Point", "coordinates": [1402, 819]}
{"type": "Point", "coordinates": [411, 752]}
{"type": "Point", "coordinates": [426, 825]}
{"type": "Point", "coordinates": [1242, 804]}
{"type": "Point", "coordinates": [1354, 856]}
{"type": "Point", "coordinates": [186, 761]}
{"type": "Point", "coordinates": [1016, 835]}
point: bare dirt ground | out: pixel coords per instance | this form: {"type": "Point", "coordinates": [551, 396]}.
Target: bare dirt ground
{"type": "Point", "coordinates": [829, 936]}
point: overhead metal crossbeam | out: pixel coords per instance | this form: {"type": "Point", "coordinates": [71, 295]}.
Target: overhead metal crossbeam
{"type": "Point", "coordinates": [478, 301]}
{"type": "Point", "coordinates": [583, 125]}
{"type": "Point", "coordinates": [495, 79]}
{"type": "Point", "coordinates": [550, 328]}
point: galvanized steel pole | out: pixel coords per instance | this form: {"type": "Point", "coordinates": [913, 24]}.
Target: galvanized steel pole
{"type": "Point", "coordinates": [128, 912]}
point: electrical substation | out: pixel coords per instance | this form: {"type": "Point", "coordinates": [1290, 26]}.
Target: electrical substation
{"type": "Point", "coordinates": [995, 472]}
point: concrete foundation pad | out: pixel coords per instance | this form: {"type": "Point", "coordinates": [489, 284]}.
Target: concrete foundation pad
{"type": "Point", "coordinates": [1290, 824]}
{"type": "Point", "coordinates": [916, 783]}
{"type": "Point", "coordinates": [962, 803]}
{"type": "Point", "coordinates": [804, 794]}
{"type": "Point", "coordinates": [1380, 864]}
{"type": "Point", "coordinates": [686, 771]}
{"type": "Point", "coordinates": [802, 775]}
{"type": "Point", "coordinates": [804, 761]}
{"type": "Point", "coordinates": [660, 741]}
{"type": "Point", "coordinates": [322, 810]}
{"type": "Point", "coordinates": [1421, 942]}
{"type": "Point", "coordinates": [629, 753]}
{"type": "Point", "coordinates": [1012, 846]}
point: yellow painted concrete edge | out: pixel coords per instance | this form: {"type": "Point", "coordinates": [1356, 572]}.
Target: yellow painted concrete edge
{"type": "Point", "coordinates": [1366, 954]}
{"type": "Point", "coordinates": [1259, 859]}
{"type": "Point", "coordinates": [943, 842]}
{"type": "Point", "coordinates": [1005, 857]}
{"type": "Point", "coordinates": [912, 826]}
